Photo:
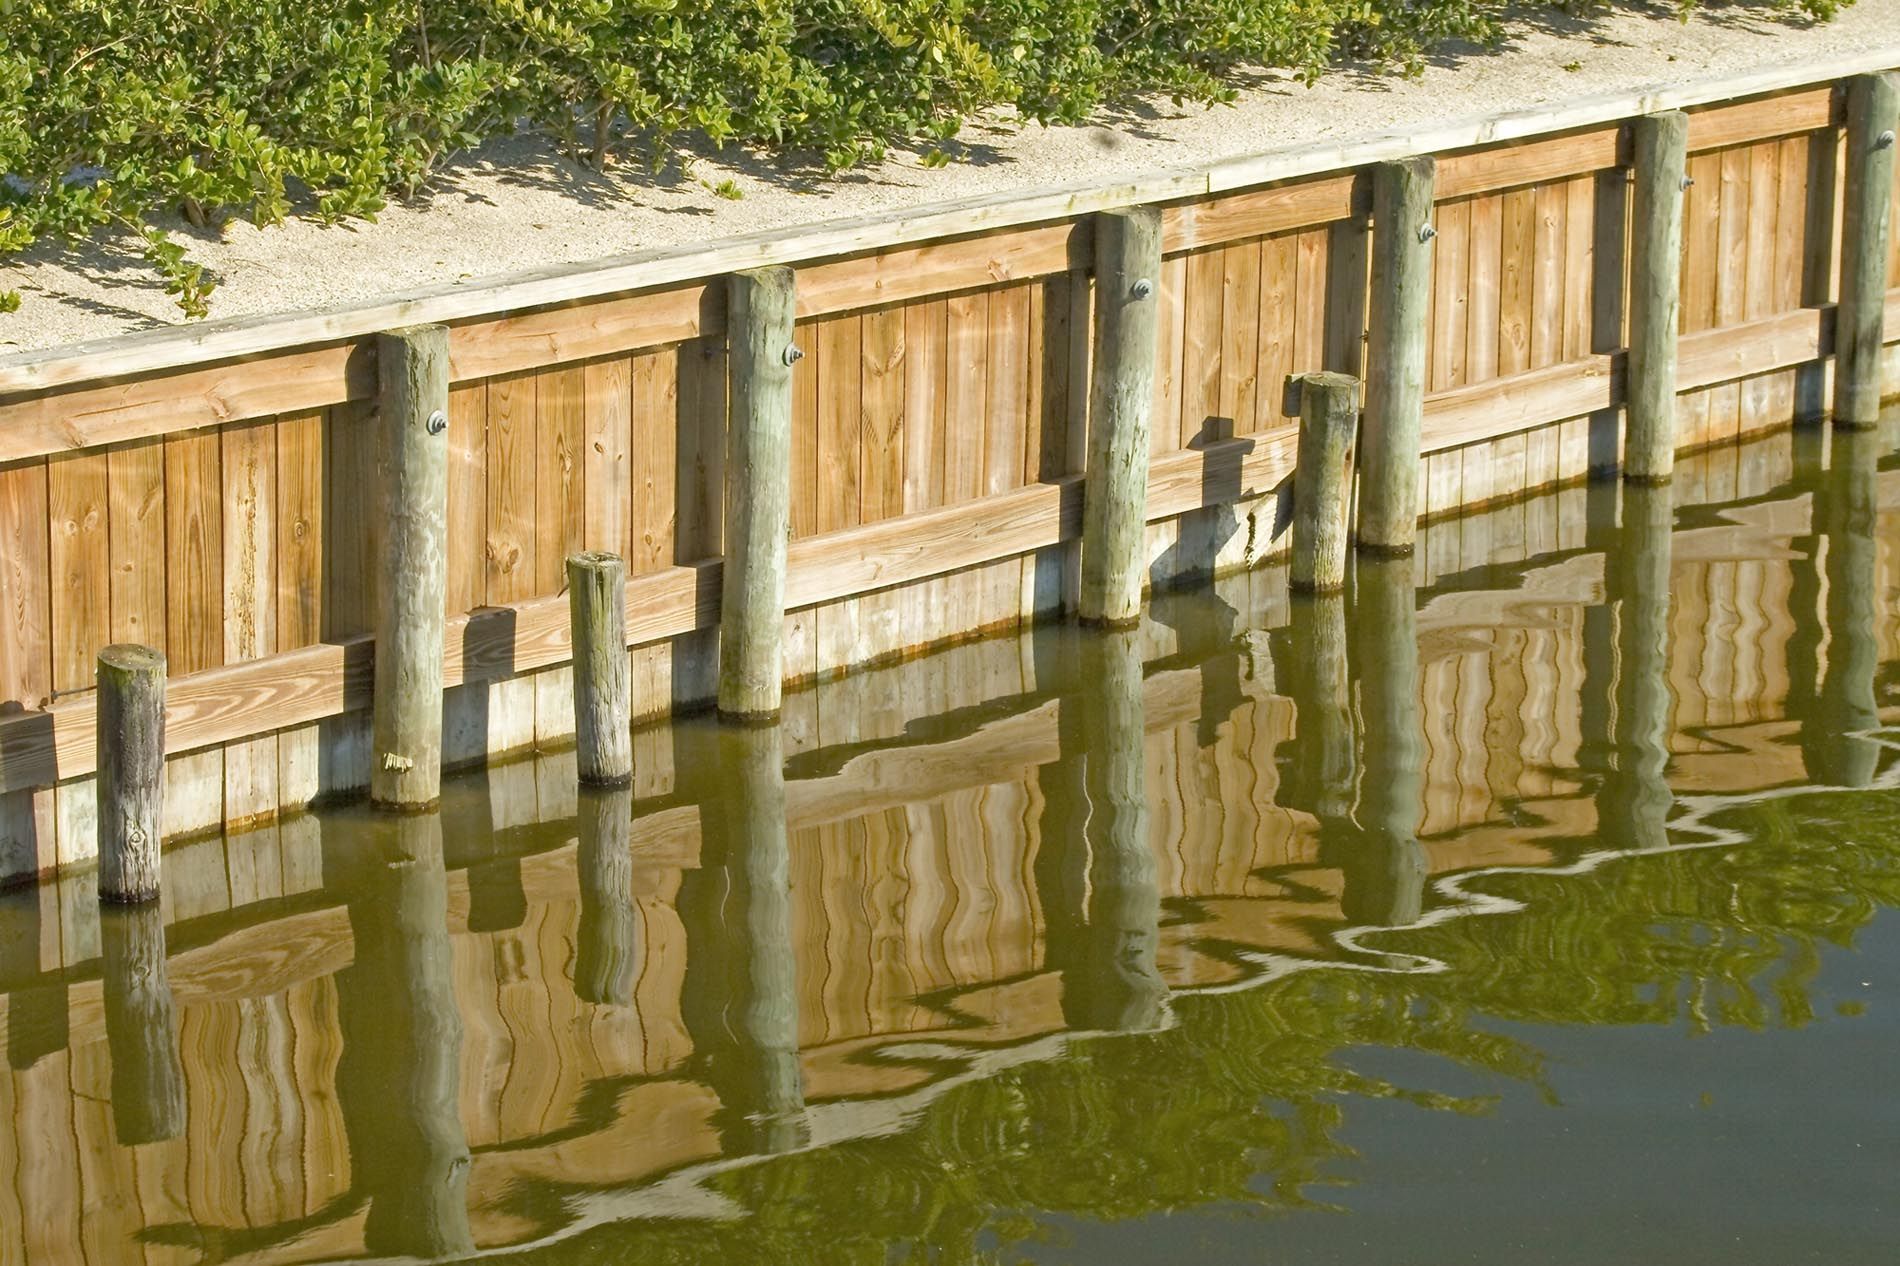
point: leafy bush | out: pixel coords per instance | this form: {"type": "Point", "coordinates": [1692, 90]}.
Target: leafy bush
{"type": "Point", "coordinates": [112, 110]}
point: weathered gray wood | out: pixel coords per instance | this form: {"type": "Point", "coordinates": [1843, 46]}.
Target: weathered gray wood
{"type": "Point", "coordinates": [1115, 983]}
{"type": "Point", "coordinates": [761, 309]}
{"type": "Point", "coordinates": [603, 677]}
{"type": "Point", "coordinates": [130, 784]}
{"type": "Point", "coordinates": [606, 955]}
{"type": "Point", "coordinates": [1396, 342]}
{"type": "Point", "coordinates": [1121, 405]}
{"type": "Point", "coordinates": [1384, 866]}
{"type": "Point", "coordinates": [1866, 226]}
{"type": "Point", "coordinates": [1328, 417]}
{"type": "Point", "coordinates": [412, 472]}
{"type": "Point", "coordinates": [148, 1080]}
{"type": "Point", "coordinates": [1662, 154]}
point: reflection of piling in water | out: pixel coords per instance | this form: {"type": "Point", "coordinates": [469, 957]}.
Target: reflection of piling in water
{"type": "Point", "coordinates": [1113, 980]}
{"type": "Point", "coordinates": [1383, 862]}
{"type": "Point", "coordinates": [1633, 798]}
{"type": "Point", "coordinates": [740, 1000]}
{"type": "Point", "coordinates": [1834, 745]}
{"type": "Point", "coordinates": [148, 1081]}
{"type": "Point", "coordinates": [399, 1076]}
{"type": "Point", "coordinates": [605, 960]}
{"type": "Point", "coordinates": [1319, 778]}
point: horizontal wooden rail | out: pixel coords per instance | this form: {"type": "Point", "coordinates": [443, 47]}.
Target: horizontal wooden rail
{"type": "Point", "coordinates": [500, 302]}
{"type": "Point", "coordinates": [313, 683]}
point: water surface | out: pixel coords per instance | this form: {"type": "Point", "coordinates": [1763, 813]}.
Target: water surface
{"type": "Point", "coordinates": [1533, 900]}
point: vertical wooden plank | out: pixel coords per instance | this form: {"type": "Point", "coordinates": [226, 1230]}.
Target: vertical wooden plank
{"type": "Point", "coordinates": [559, 501]}
{"type": "Point", "coordinates": [248, 470]}
{"type": "Point", "coordinates": [249, 473]}
{"type": "Point", "coordinates": [1579, 267]}
{"type": "Point", "coordinates": [1451, 270]}
{"type": "Point", "coordinates": [1731, 278]}
{"type": "Point", "coordinates": [1202, 319]}
{"type": "Point", "coordinates": [1348, 280]}
{"type": "Point", "coordinates": [1549, 234]}
{"type": "Point", "coordinates": [195, 542]}
{"type": "Point", "coordinates": [1517, 260]}
{"type": "Point", "coordinates": [1006, 435]}
{"type": "Point", "coordinates": [840, 372]}
{"type": "Point", "coordinates": [699, 518]}
{"type": "Point", "coordinates": [300, 539]}
{"type": "Point", "coordinates": [467, 586]}
{"type": "Point", "coordinates": [1485, 288]}
{"type": "Point", "coordinates": [966, 396]}
{"type": "Point", "coordinates": [1759, 285]}
{"type": "Point", "coordinates": [136, 534]}
{"type": "Point", "coordinates": [1279, 281]}
{"type": "Point", "coordinates": [27, 834]}
{"type": "Point", "coordinates": [299, 527]}
{"type": "Point", "coordinates": [652, 464]}
{"type": "Point", "coordinates": [839, 351]}
{"type": "Point", "coordinates": [806, 490]}
{"type": "Point", "coordinates": [606, 444]}
{"type": "Point", "coordinates": [1701, 224]}
{"type": "Point", "coordinates": [1309, 335]}
{"type": "Point", "coordinates": [926, 399]}
{"type": "Point", "coordinates": [1240, 337]}
{"type": "Point", "coordinates": [512, 485]}
{"type": "Point", "coordinates": [1171, 298]}
{"type": "Point", "coordinates": [1006, 438]}
{"type": "Point", "coordinates": [194, 605]}
{"type": "Point", "coordinates": [80, 589]}
{"type": "Point", "coordinates": [881, 417]}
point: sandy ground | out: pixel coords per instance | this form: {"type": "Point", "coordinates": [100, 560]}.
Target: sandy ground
{"type": "Point", "coordinates": [517, 204]}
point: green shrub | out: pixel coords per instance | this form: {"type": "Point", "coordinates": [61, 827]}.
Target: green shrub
{"type": "Point", "coordinates": [112, 110]}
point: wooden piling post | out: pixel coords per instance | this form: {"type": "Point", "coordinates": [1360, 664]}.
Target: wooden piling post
{"type": "Point", "coordinates": [130, 783]}
{"type": "Point", "coordinates": [1396, 341]}
{"type": "Point", "coordinates": [1866, 226]}
{"type": "Point", "coordinates": [760, 313]}
{"type": "Point", "coordinates": [603, 678]}
{"type": "Point", "coordinates": [148, 1080]}
{"type": "Point", "coordinates": [1328, 416]}
{"type": "Point", "coordinates": [1121, 402]}
{"type": "Point", "coordinates": [412, 469]}
{"type": "Point", "coordinates": [1662, 155]}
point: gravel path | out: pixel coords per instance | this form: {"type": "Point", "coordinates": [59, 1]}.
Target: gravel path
{"type": "Point", "coordinates": [516, 204]}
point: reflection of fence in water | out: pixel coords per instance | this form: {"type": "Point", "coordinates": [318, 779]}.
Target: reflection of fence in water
{"type": "Point", "coordinates": [922, 892]}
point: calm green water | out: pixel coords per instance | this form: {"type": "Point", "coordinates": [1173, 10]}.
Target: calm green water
{"type": "Point", "coordinates": [1542, 911]}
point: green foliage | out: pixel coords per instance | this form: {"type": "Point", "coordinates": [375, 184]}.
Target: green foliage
{"type": "Point", "coordinates": [113, 111]}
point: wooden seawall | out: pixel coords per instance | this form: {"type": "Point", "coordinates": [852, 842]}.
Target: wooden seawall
{"type": "Point", "coordinates": [207, 492]}
{"type": "Point", "coordinates": [927, 902]}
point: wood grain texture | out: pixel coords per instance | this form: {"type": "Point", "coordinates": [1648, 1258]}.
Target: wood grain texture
{"type": "Point", "coordinates": [136, 514]}
{"type": "Point", "coordinates": [79, 558]}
